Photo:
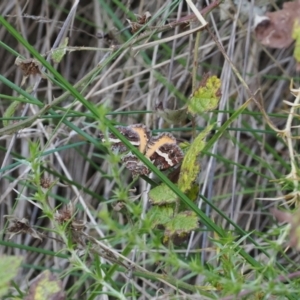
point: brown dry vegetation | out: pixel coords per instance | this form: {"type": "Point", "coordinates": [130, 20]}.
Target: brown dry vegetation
{"type": "Point", "coordinates": [236, 171]}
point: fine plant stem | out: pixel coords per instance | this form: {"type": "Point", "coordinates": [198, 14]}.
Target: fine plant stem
{"type": "Point", "coordinates": [287, 134]}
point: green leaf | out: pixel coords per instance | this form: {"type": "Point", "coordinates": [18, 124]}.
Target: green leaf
{"type": "Point", "coordinates": [46, 286]}
{"type": "Point", "coordinates": [296, 37]}
{"type": "Point", "coordinates": [9, 112]}
{"type": "Point", "coordinates": [206, 97]}
{"type": "Point", "coordinates": [59, 53]}
{"type": "Point", "coordinates": [193, 192]}
{"type": "Point", "coordinates": [181, 225]}
{"type": "Point", "coordinates": [9, 266]}
{"type": "Point", "coordinates": [190, 167]}
{"type": "Point", "coordinates": [161, 195]}
{"type": "Point", "coordinates": [159, 215]}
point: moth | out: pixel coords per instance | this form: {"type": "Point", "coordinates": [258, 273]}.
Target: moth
{"type": "Point", "coordinates": [162, 150]}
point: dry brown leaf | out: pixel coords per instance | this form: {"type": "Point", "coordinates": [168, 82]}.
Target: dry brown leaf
{"type": "Point", "coordinates": [275, 29]}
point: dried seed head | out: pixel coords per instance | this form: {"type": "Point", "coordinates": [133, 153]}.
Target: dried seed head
{"type": "Point", "coordinates": [144, 18]}
{"type": "Point", "coordinates": [63, 215]}
{"type": "Point", "coordinates": [45, 183]}
{"type": "Point", "coordinates": [28, 66]}
{"type": "Point", "coordinates": [18, 226]}
{"type": "Point", "coordinates": [74, 227]}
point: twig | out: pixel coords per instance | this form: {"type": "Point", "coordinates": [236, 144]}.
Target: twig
{"type": "Point", "coordinates": [182, 21]}
{"type": "Point", "coordinates": [38, 80]}
{"type": "Point", "coordinates": [12, 128]}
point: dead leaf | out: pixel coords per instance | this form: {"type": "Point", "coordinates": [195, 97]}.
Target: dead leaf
{"type": "Point", "coordinates": [275, 28]}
